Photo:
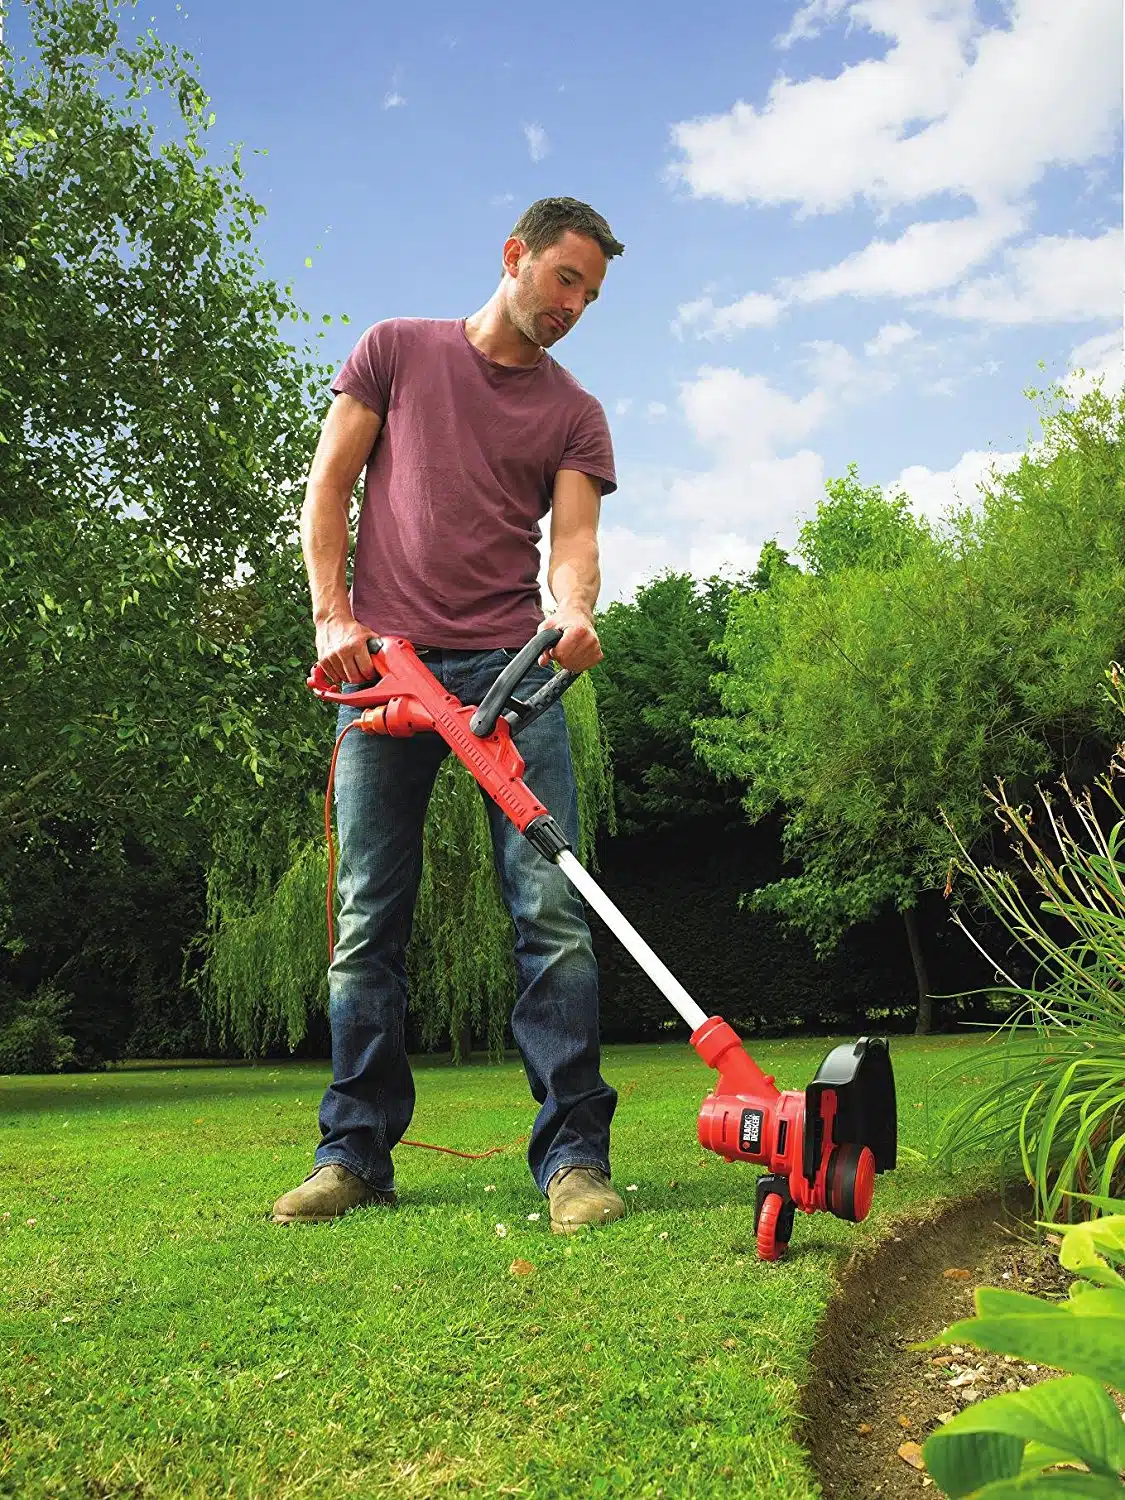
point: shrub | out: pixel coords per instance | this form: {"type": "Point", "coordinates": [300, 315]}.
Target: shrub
{"type": "Point", "coordinates": [32, 1039]}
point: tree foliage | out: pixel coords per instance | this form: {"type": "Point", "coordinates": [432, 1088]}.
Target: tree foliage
{"type": "Point", "coordinates": [911, 665]}
{"type": "Point", "coordinates": [266, 953]}
{"type": "Point", "coordinates": [654, 683]}
{"type": "Point", "coordinates": [155, 423]}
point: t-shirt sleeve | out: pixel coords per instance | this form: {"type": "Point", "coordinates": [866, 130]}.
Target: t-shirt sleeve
{"type": "Point", "coordinates": [589, 447]}
{"type": "Point", "coordinates": [368, 370]}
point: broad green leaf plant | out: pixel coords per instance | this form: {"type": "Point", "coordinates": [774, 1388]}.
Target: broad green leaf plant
{"type": "Point", "coordinates": [1066, 1436]}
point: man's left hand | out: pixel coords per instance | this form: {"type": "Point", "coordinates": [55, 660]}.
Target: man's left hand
{"type": "Point", "coordinates": [579, 648]}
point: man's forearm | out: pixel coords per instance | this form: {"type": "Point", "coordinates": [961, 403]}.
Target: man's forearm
{"type": "Point", "coordinates": [324, 542]}
{"type": "Point", "coordinates": [574, 577]}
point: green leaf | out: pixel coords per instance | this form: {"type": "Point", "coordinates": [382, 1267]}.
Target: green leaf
{"type": "Point", "coordinates": [1073, 1415]}
{"type": "Point", "coordinates": [1059, 1338]}
{"type": "Point", "coordinates": [994, 1301]}
{"type": "Point", "coordinates": [1098, 1301]}
{"type": "Point", "coordinates": [1062, 1485]}
{"type": "Point", "coordinates": [1107, 1206]}
{"type": "Point", "coordinates": [962, 1462]}
{"type": "Point", "coordinates": [1038, 1456]}
{"type": "Point", "coordinates": [308, 260]}
{"type": "Point", "coordinates": [1088, 1244]}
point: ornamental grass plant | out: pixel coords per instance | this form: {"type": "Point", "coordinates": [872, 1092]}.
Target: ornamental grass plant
{"type": "Point", "coordinates": [1057, 1090]}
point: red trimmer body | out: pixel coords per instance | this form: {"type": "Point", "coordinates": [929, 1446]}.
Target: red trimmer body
{"type": "Point", "coordinates": [822, 1146]}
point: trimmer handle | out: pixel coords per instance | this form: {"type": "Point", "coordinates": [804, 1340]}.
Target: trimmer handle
{"type": "Point", "coordinates": [319, 680]}
{"type": "Point", "coordinates": [499, 700]}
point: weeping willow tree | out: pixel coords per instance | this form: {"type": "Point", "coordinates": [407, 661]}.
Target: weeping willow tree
{"type": "Point", "coordinates": [264, 971]}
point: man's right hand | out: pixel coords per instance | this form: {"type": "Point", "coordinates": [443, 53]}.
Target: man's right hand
{"type": "Point", "coordinates": [341, 649]}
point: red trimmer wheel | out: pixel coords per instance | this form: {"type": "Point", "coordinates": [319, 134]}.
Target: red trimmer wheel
{"type": "Point", "coordinates": [769, 1246]}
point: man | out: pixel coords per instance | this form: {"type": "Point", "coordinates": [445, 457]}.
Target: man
{"type": "Point", "coordinates": [470, 433]}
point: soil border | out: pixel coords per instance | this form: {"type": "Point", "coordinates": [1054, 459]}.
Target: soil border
{"type": "Point", "coordinates": [889, 1293]}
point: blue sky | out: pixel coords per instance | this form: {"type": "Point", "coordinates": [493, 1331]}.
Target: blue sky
{"type": "Point", "coordinates": [852, 229]}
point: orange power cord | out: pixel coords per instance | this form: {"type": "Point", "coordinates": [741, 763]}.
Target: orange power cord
{"type": "Point", "coordinates": [330, 913]}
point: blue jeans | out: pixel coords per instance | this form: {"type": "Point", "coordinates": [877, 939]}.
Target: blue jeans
{"type": "Point", "coordinates": [383, 788]}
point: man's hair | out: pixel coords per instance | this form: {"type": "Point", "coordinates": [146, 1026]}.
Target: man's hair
{"type": "Point", "coordinates": [547, 220]}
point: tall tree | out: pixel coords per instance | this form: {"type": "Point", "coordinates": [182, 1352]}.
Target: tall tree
{"type": "Point", "coordinates": [654, 683]}
{"type": "Point", "coordinates": [154, 422]}
{"type": "Point", "coordinates": [910, 667]}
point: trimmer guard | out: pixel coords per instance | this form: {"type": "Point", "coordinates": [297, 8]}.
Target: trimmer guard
{"type": "Point", "coordinates": [860, 1075]}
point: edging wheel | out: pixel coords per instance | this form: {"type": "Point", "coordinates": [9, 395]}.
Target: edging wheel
{"type": "Point", "coordinates": [850, 1182]}
{"type": "Point", "coordinates": [769, 1246]}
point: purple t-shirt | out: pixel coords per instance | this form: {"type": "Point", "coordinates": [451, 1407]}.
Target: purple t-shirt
{"type": "Point", "coordinates": [458, 481]}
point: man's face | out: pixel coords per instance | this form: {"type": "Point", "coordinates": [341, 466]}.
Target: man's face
{"type": "Point", "coordinates": [549, 292]}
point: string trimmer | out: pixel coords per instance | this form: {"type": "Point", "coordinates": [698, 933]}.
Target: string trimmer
{"type": "Point", "coordinates": [822, 1145]}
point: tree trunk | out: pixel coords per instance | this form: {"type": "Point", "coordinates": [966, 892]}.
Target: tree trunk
{"type": "Point", "coordinates": [464, 1050]}
{"type": "Point", "coordinates": [925, 1004]}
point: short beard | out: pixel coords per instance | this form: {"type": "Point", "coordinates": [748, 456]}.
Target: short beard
{"type": "Point", "coordinates": [523, 319]}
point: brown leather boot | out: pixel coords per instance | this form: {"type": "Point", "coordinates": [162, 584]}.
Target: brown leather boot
{"type": "Point", "coordinates": [326, 1193]}
{"type": "Point", "coordinates": [581, 1197]}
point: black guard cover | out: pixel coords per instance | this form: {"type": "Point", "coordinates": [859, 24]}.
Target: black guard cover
{"type": "Point", "coordinates": [866, 1113]}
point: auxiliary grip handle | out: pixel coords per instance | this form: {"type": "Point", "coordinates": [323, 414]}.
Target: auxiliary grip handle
{"type": "Point", "coordinates": [499, 696]}
{"type": "Point", "coordinates": [523, 712]}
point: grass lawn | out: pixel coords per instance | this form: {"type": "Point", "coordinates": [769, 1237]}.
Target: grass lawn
{"type": "Point", "coordinates": [161, 1337]}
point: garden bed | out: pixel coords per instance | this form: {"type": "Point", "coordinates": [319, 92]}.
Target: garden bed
{"type": "Point", "coordinates": [873, 1400]}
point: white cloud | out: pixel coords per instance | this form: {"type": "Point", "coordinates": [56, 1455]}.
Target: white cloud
{"type": "Point", "coordinates": [629, 558]}
{"type": "Point", "coordinates": [831, 365]}
{"type": "Point", "coordinates": [393, 100]}
{"type": "Point", "coordinates": [723, 552]}
{"type": "Point", "coordinates": [890, 337]}
{"type": "Point", "coordinates": [622, 406]}
{"type": "Point", "coordinates": [1100, 358]}
{"type": "Point", "coordinates": [744, 417]}
{"type": "Point", "coordinates": [1052, 279]}
{"type": "Point", "coordinates": [753, 498]}
{"type": "Point", "coordinates": [716, 519]}
{"type": "Point", "coordinates": [810, 20]}
{"type": "Point", "coordinates": [925, 258]}
{"type": "Point", "coordinates": [755, 310]}
{"type": "Point", "coordinates": [996, 106]}
{"type": "Point", "coordinates": [966, 103]}
{"type": "Point", "coordinates": [655, 410]}
{"type": "Point", "coordinates": [933, 493]}
{"type": "Point", "coordinates": [537, 143]}
{"type": "Point", "coordinates": [753, 489]}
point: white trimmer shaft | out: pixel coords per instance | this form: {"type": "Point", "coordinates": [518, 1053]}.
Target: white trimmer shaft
{"type": "Point", "coordinates": [661, 976]}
